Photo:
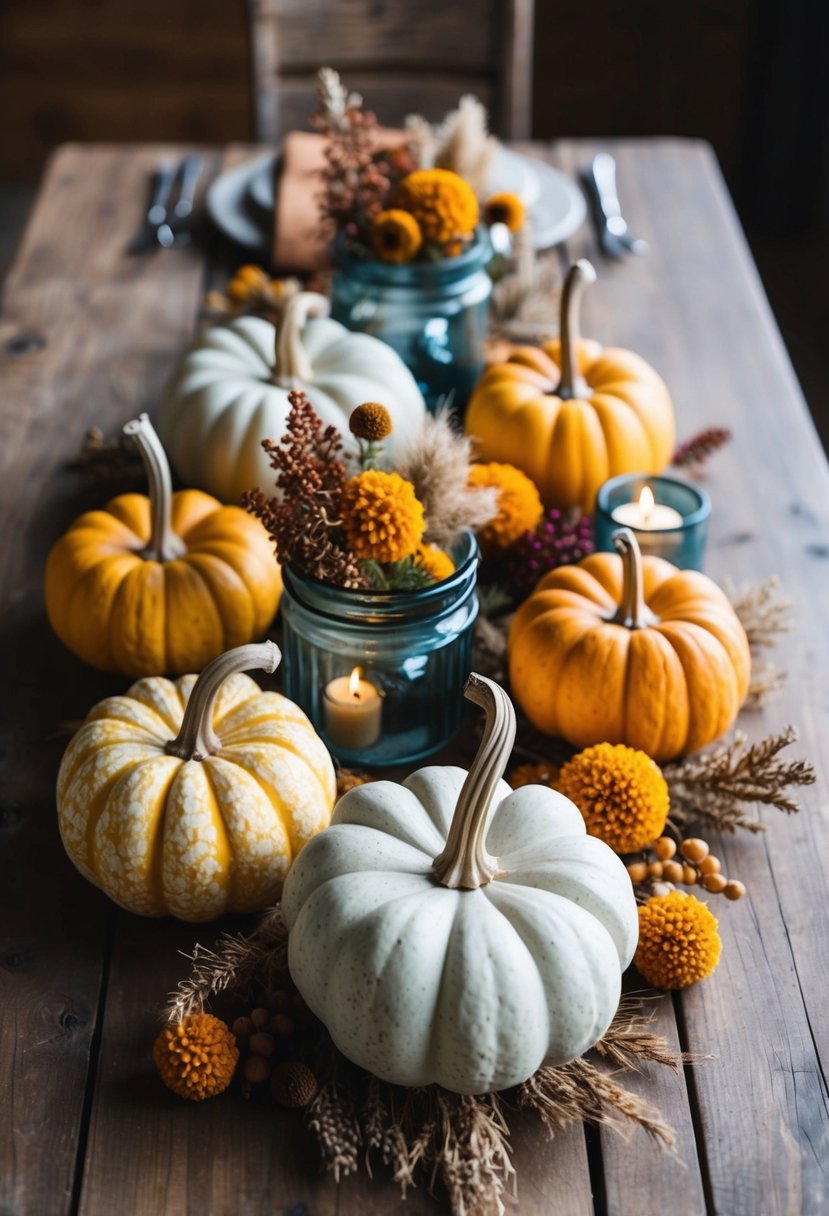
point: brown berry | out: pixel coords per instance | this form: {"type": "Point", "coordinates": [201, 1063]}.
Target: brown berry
{"type": "Point", "coordinates": [262, 1044]}
{"type": "Point", "coordinates": [655, 869]}
{"type": "Point", "coordinates": [689, 876]}
{"type": "Point", "coordinates": [673, 871]}
{"type": "Point", "coordinates": [293, 1084]}
{"type": "Point", "coordinates": [282, 1023]}
{"type": "Point", "coordinates": [638, 871]}
{"type": "Point", "coordinates": [260, 1018]}
{"type": "Point", "coordinates": [710, 865]}
{"type": "Point", "coordinates": [734, 889]}
{"type": "Point", "coordinates": [242, 1028]}
{"type": "Point", "coordinates": [694, 849]}
{"type": "Point", "coordinates": [715, 883]}
{"type": "Point", "coordinates": [664, 848]}
{"type": "Point", "coordinates": [257, 1070]}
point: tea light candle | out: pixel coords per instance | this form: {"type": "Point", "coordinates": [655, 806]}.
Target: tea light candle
{"type": "Point", "coordinates": [353, 711]}
{"type": "Point", "coordinates": [646, 514]}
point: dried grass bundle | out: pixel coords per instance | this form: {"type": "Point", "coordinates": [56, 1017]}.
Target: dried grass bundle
{"type": "Point", "coordinates": [461, 142]}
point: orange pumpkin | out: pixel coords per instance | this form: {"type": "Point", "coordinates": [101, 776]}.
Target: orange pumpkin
{"type": "Point", "coordinates": [160, 585]}
{"type": "Point", "coordinates": [571, 414]}
{"type": "Point", "coordinates": [628, 649]}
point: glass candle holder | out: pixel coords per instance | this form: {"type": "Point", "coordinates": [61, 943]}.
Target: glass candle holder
{"type": "Point", "coordinates": [677, 526]}
{"type": "Point", "coordinates": [434, 314]}
{"type": "Point", "coordinates": [381, 673]}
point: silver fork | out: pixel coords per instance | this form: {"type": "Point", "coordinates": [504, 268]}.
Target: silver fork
{"type": "Point", "coordinates": [177, 225]}
{"type": "Point", "coordinates": [614, 235]}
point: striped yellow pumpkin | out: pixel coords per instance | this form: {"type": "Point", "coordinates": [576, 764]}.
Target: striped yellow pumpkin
{"type": "Point", "coordinates": [192, 797]}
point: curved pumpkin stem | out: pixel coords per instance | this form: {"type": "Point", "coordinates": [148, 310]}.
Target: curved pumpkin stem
{"type": "Point", "coordinates": [197, 738]}
{"type": "Point", "coordinates": [465, 862]}
{"type": "Point", "coordinates": [572, 383]}
{"type": "Point", "coordinates": [293, 366]}
{"type": "Point", "coordinates": [164, 544]}
{"type": "Point", "coordinates": [632, 611]}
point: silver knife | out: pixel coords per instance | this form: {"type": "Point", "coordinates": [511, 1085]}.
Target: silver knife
{"type": "Point", "coordinates": [163, 179]}
{"type": "Point", "coordinates": [614, 236]}
{"type": "Point", "coordinates": [176, 227]}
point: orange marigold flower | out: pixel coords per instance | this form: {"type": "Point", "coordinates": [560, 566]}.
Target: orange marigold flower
{"type": "Point", "coordinates": [519, 505]}
{"type": "Point", "coordinates": [196, 1058]}
{"type": "Point", "coordinates": [505, 208]}
{"type": "Point", "coordinates": [395, 236]}
{"type": "Point", "coordinates": [370, 421]}
{"type": "Point", "coordinates": [620, 792]}
{"type": "Point", "coordinates": [435, 561]}
{"type": "Point", "coordinates": [678, 940]}
{"type": "Point", "coordinates": [443, 204]}
{"type": "Point", "coordinates": [382, 518]}
{"type": "Point", "coordinates": [246, 282]}
{"type": "Point", "coordinates": [534, 774]}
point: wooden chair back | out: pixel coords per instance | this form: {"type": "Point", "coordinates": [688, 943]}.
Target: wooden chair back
{"type": "Point", "coordinates": [403, 56]}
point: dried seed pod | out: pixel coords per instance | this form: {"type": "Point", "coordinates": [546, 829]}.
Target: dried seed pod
{"type": "Point", "coordinates": [694, 849]}
{"type": "Point", "coordinates": [262, 1044]}
{"type": "Point", "coordinates": [282, 1024]}
{"type": "Point", "coordinates": [734, 889]}
{"type": "Point", "coordinates": [260, 1018]}
{"type": "Point", "coordinates": [715, 883]}
{"type": "Point", "coordinates": [664, 848]}
{"type": "Point", "coordinates": [279, 1001]}
{"type": "Point", "coordinates": [689, 875]}
{"type": "Point", "coordinates": [638, 871]}
{"type": "Point", "coordinates": [257, 1070]}
{"type": "Point", "coordinates": [710, 865]}
{"type": "Point", "coordinates": [673, 871]}
{"type": "Point", "coordinates": [242, 1028]}
{"type": "Point", "coordinates": [293, 1084]}
{"type": "Point", "coordinates": [655, 869]}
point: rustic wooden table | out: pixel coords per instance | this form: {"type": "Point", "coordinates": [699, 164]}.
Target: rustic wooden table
{"type": "Point", "coordinates": [87, 336]}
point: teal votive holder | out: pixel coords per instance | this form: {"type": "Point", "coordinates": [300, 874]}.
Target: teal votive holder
{"type": "Point", "coordinates": [680, 536]}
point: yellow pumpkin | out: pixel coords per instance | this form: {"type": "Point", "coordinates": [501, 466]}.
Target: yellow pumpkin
{"type": "Point", "coordinates": [192, 798]}
{"type": "Point", "coordinates": [160, 584]}
{"type": "Point", "coordinates": [571, 414]}
{"type": "Point", "coordinates": [628, 649]}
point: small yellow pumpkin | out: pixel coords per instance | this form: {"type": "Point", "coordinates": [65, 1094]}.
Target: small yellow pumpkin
{"type": "Point", "coordinates": [161, 583]}
{"type": "Point", "coordinates": [628, 649]}
{"type": "Point", "coordinates": [192, 798]}
{"type": "Point", "coordinates": [571, 414]}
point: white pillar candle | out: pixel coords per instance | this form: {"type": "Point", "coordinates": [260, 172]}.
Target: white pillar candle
{"type": "Point", "coordinates": [353, 711]}
{"type": "Point", "coordinates": [646, 515]}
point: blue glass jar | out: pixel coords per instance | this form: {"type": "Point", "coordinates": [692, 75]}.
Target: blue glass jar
{"type": "Point", "coordinates": [413, 651]}
{"type": "Point", "coordinates": [434, 314]}
{"type": "Point", "coordinates": [682, 543]}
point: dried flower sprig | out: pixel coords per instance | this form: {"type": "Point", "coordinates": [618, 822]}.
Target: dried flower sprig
{"type": "Point", "coordinates": [717, 785]}
{"type": "Point", "coordinates": [562, 538]}
{"type": "Point", "coordinates": [764, 612]}
{"type": "Point", "coordinates": [666, 864]}
{"type": "Point", "coordinates": [695, 452]}
{"type": "Point", "coordinates": [112, 462]}
{"type": "Point", "coordinates": [250, 292]}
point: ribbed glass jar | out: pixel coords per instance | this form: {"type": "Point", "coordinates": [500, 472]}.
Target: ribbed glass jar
{"type": "Point", "coordinates": [414, 648]}
{"type": "Point", "coordinates": [434, 314]}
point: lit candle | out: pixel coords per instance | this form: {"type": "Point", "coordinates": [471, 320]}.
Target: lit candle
{"type": "Point", "coordinates": [647, 515]}
{"type": "Point", "coordinates": [353, 711]}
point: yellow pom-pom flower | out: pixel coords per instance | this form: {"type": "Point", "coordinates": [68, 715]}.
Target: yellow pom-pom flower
{"type": "Point", "coordinates": [435, 561]}
{"type": "Point", "coordinates": [519, 505]}
{"type": "Point", "coordinates": [443, 204]}
{"type": "Point", "coordinates": [196, 1058]}
{"type": "Point", "coordinates": [395, 236]}
{"type": "Point", "coordinates": [621, 793]}
{"type": "Point", "coordinates": [382, 518]}
{"type": "Point", "coordinates": [678, 940]}
{"type": "Point", "coordinates": [370, 421]}
{"type": "Point", "coordinates": [505, 208]}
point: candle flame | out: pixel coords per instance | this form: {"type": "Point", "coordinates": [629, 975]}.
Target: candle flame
{"type": "Point", "coordinates": [354, 683]}
{"type": "Point", "coordinates": [646, 503]}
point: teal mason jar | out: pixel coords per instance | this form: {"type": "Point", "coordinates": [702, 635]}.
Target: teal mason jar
{"type": "Point", "coordinates": [434, 314]}
{"type": "Point", "coordinates": [381, 673]}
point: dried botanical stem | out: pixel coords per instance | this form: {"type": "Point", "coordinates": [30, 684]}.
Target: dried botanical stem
{"type": "Point", "coordinates": [714, 787]}
{"type": "Point", "coordinates": [765, 682]}
{"type": "Point", "coordinates": [764, 613]}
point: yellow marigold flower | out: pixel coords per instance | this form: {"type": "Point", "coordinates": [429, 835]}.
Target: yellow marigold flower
{"type": "Point", "coordinates": [246, 282]}
{"type": "Point", "coordinates": [197, 1058]}
{"type": "Point", "coordinates": [678, 940]}
{"type": "Point", "coordinates": [505, 208]}
{"type": "Point", "coordinates": [395, 236]}
{"type": "Point", "coordinates": [519, 505]}
{"type": "Point", "coordinates": [621, 793]}
{"type": "Point", "coordinates": [443, 204]}
{"type": "Point", "coordinates": [435, 561]}
{"type": "Point", "coordinates": [534, 774]}
{"type": "Point", "coordinates": [383, 520]}
{"type": "Point", "coordinates": [370, 421]}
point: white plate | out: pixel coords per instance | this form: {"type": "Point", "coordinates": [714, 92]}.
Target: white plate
{"type": "Point", "coordinates": [240, 202]}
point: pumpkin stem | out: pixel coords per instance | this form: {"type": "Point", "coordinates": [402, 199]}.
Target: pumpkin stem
{"type": "Point", "coordinates": [632, 611]}
{"type": "Point", "coordinates": [572, 383]}
{"type": "Point", "coordinates": [164, 544]}
{"type": "Point", "coordinates": [465, 862]}
{"type": "Point", "coordinates": [197, 738]}
{"type": "Point", "coordinates": [293, 365]}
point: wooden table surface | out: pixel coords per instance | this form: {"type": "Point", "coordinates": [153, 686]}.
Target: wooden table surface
{"type": "Point", "coordinates": [87, 336]}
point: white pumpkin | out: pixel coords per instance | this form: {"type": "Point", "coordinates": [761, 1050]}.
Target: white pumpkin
{"type": "Point", "coordinates": [453, 930]}
{"type": "Point", "coordinates": [230, 391]}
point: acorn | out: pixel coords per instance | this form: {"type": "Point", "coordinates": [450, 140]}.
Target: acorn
{"type": "Point", "coordinates": [261, 1044]}
{"type": "Point", "coordinates": [256, 1070]}
{"type": "Point", "coordinates": [293, 1084]}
